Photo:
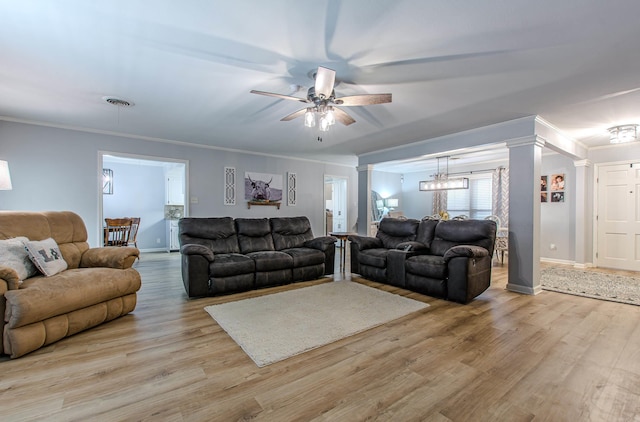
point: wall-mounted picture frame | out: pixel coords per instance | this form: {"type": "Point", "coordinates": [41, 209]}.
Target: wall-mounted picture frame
{"type": "Point", "coordinates": [262, 187]}
{"type": "Point", "coordinates": [557, 182]}
{"type": "Point", "coordinates": [557, 196]}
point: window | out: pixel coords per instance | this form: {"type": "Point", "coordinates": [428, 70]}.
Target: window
{"type": "Point", "coordinates": [474, 202]}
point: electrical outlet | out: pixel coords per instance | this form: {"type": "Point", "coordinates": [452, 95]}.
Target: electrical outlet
{"type": "Point", "coordinates": [158, 240]}
{"type": "Point", "coordinates": [553, 247]}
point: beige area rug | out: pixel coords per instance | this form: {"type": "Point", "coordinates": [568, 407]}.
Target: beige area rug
{"type": "Point", "coordinates": [275, 327]}
{"type": "Point", "coordinates": [593, 284]}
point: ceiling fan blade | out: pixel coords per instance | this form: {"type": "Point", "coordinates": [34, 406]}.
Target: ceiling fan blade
{"type": "Point", "coordinates": [283, 97]}
{"type": "Point", "coordinates": [325, 78]}
{"type": "Point", "coordinates": [294, 115]}
{"type": "Point", "coordinates": [361, 100]}
{"type": "Point", "coordinates": [342, 116]}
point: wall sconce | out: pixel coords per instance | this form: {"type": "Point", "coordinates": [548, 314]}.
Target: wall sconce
{"type": "Point", "coordinates": [5, 176]}
{"type": "Point", "coordinates": [107, 181]}
{"type": "Point", "coordinates": [391, 203]}
{"type": "Point", "coordinates": [444, 184]}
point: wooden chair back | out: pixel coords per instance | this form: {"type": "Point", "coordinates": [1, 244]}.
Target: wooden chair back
{"type": "Point", "coordinates": [117, 231]}
{"type": "Point", "coordinates": [133, 235]}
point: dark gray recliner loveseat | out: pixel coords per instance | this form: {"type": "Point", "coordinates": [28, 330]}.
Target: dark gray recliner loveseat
{"type": "Point", "coordinates": [445, 259]}
{"type": "Point", "coordinates": [222, 255]}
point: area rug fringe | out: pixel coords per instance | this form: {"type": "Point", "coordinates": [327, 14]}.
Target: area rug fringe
{"type": "Point", "coordinates": [593, 284]}
{"type": "Point", "coordinates": [278, 326]}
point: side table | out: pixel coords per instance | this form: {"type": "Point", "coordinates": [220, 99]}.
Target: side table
{"type": "Point", "coordinates": [342, 238]}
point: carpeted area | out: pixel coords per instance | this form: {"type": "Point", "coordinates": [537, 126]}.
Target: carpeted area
{"type": "Point", "coordinates": [593, 284]}
{"type": "Point", "coordinates": [275, 327]}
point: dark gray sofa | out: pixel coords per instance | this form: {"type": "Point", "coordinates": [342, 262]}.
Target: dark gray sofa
{"type": "Point", "coordinates": [222, 255]}
{"type": "Point", "coordinates": [445, 259]}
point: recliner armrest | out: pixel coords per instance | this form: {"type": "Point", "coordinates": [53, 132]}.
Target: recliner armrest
{"type": "Point", "coordinates": [365, 242]}
{"type": "Point", "coordinates": [469, 251]}
{"type": "Point", "coordinates": [321, 243]}
{"type": "Point", "coordinates": [412, 246]}
{"type": "Point", "coordinates": [195, 249]}
{"type": "Point", "coordinates": [110, 256]}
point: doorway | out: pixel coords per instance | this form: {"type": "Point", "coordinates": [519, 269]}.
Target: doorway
{"type": "Point", "coordinates": [618, 224]}
{"type": "Point", "coordinates": [151, 188]}
{"type": "Point", "coordinates": [335, 203]}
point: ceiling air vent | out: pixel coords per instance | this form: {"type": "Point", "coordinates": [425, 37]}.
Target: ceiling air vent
{"type": "Point", "coordinates": [118, 102]}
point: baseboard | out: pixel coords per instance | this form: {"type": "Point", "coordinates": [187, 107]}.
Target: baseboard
{"type": "Point", "coordinates": [557, 261]}
{"type": "Point", "coordinates": [583, 266]}
{"type": "Point", "coordinates": [154, 250]}
{"type": "Point", "coordinates": [518, 288]}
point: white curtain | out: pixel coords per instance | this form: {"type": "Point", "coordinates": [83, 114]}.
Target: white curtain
{"type": "Point", "coordinates": [500, 193]}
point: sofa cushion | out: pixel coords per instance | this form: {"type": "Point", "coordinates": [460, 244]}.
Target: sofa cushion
{"type": "Point", "coordinates": [290, 232]}
{"type": "Point", "coordinates": [426, 231]}
{"type": "Point", "coordinates": [271, 260]}
{"type": "Point", "coordinates": [468, 232]}
{"type": "Point", "coordinates": [46, 255]}
{"type": "Point", "coordinates": [40, 298]}
{"type": "Point", "coordinates": [303, 257]}
{"type": "Point", "coordinates": [226, 265]}
{"type": "Point", "coordinates": [394, 230]}
{"type": "Point", "coordinates": [254, 234]}
{"type": "Point", "coordinates": [376, 257]}
{"type": "Point", "coordinates": [430, 266]}
{"type": "Point", "coordinates": [14, 255]}
{"type": "Point", "coordinates": [218, 234]}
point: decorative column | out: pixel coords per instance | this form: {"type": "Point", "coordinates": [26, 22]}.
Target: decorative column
{"type": "Point", "coordinates": [364, 199]}
{"type": "Point", "coordinates": [525, 157]}
{"type": "Point", "coordinates": [584, 211]}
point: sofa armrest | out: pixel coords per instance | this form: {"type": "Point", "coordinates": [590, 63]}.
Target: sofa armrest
{"type": "Point", "coordinates": [465, 251]}
{"type": "Point", "coordinates": [9, 280]}
{"type": "Point", "coordinates": [321, 243]}
{"type": "Point", "coordinates": [365, 242]}
{"type": "Point", "coordinates": [110, 256]}
{"type": "Point", "coordinates": [195, 249]}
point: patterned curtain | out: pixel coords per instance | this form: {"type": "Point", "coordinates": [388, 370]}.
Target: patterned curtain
{"type": "Point", "coordinates": [500, 193]}
{"type": "Point", "coordinates": [439, 197]}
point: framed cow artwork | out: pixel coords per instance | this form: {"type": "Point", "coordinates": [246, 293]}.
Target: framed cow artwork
{"type": "Point", "coordinates": [262, 187]}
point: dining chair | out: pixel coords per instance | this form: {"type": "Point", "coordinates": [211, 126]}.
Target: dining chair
{"type": "Point", "coordinates": [117, 231]}
{"type": "Point", "coordinates": [133, 235]}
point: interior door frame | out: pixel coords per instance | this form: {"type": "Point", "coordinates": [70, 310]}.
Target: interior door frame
{"type": "Point", "coordinates": [102, 153]}
{"type": "Point", "coordinates": [596, 192]}
{"type": "Point", "coordinates": [346, 200]}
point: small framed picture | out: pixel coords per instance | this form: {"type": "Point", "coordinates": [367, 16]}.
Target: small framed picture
{"type": "Point", "coordinates": [557, 182]}
{"type": "Point", "coordinates": [557, 197]}
{"type": "Point", "coordinates": [543, 197]}
{"type": "Point", "coordinates": [543, 183]}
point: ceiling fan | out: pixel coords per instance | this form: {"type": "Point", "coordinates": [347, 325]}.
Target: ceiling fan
{"type": "Point", "coordinates": [323, 102]}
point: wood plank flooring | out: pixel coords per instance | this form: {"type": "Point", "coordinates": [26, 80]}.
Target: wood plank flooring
{"type": "Point", "coordinates": [504, 357]}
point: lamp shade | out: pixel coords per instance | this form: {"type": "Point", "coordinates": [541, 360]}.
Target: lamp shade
{"type": "Point", "coordinates": [5, 177]}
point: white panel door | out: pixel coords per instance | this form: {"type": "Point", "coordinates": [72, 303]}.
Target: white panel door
{"type": "Point", "coordinates": [618, 218]}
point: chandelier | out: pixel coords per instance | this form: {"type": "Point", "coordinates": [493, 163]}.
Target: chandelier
{"type": "Point", "coordinates": [442, 181]}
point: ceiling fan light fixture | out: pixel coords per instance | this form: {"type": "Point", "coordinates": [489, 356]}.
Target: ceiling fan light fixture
{"type": "Point", "coordinates": [623, 134]}
{"type": "Point", "coordinates": [310, 118]}
{"type": "Point", "coordinates": [324, 123]}
{"type": "Point", "coordinates": [331, 118]}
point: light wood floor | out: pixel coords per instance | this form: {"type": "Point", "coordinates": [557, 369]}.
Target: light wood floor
{"type": "Point", "coordinates": [504, 357]}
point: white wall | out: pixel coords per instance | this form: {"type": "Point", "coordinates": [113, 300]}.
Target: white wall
{"type": "Point", "coordinates": [57, 169]}
{"type": "Point", "coordinates": [139, 191]}
{"type": "Point", "coordinates": [557, 219]}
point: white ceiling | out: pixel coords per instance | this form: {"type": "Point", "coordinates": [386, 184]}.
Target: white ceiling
{"type": "Point", "coordinates": [189, 66]}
